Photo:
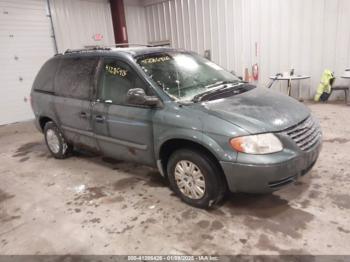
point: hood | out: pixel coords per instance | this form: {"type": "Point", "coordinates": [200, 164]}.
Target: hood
{"type": "Point", "coordinates": [259, 110]}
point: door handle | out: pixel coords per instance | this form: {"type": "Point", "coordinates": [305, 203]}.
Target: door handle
{"type": "Point", "coordinates": [83, 115]}
{"type": "Point", "coordinates": [99, 119]}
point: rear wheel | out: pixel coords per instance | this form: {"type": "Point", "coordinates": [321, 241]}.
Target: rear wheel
{"type": "Point", "coordinates": [55, 141]}
{"type": "Point", "coordinates": [195, 178]}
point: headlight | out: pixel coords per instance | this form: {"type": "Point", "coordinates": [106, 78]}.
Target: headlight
{"type": "Point", "coordinates": [257, 144]}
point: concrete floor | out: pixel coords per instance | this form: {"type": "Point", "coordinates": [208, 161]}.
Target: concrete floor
{"type": "Point", "coordinates": [93, 205]}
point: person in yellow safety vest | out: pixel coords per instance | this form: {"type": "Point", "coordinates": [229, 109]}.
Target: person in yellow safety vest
{"type": "Point", "coordinates": [325, 86]}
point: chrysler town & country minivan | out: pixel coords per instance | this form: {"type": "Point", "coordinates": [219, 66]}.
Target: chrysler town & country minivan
{"type": "Point", "coordinates": [206, 131]}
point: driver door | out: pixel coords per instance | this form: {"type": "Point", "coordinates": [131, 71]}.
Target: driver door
{"type": "Point", "coordinates": [123, 131]}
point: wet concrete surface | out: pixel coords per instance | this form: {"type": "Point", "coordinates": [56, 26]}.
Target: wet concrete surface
{"type": "Point", "coordinates": [93, 205]}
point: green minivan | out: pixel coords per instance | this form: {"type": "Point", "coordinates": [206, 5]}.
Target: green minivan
{"type": "Point", "coordinates": [207, 131]}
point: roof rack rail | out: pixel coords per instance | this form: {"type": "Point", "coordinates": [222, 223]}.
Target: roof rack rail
{"type": "Point", "coordinates": [155, 44]}
{"type": "Point", "coordinates": [95, 48]}
{"type": "Point", "coordinates": [128, 44]}
{"type": "Point", "coordinates": [160, 43]}
{"type": "Point", "coordinates": [106, 48]}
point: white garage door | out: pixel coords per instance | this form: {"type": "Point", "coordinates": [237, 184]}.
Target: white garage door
{"type": "Point", "coordinates": [25, 44]}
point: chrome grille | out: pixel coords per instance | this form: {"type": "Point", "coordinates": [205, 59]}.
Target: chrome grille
{"type": "Point", "coordinates": [305, 134]}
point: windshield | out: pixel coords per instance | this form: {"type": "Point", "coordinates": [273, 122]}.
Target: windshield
{"type": "Point", "coordinates": [184, 76]}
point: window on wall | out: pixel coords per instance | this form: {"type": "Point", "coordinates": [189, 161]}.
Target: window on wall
{"type": "Point", "coordinates": [117, 78]}
{"type": "Point", "coordinates": [75, 77]}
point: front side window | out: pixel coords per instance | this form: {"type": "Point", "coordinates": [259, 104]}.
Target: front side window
{"type": "Point", "coordinates": [182, 75]}
{"type": "Point", "coordinates": [116, 79]}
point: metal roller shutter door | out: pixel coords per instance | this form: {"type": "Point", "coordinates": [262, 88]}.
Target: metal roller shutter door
{"type": "Point", "coordinates": [25, 44]}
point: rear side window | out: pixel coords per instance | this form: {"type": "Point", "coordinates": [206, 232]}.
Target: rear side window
{"type": "Point", "coordinates": [75, 77]}
{"type": "Point", "coordinates": [44, 79]}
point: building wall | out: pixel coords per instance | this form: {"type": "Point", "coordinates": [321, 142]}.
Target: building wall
{"type": "Point", "coordinates": [308, 35]}
{"type": "Point", "coordinates": [136, 22]}
{"type": "Point", "coordinates": [77, 21]}
{"type": "Point", "coordinates": [25, 44]}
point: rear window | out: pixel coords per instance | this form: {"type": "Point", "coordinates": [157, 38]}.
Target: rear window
{"type": "Point", "coordinates": [44, 79]}
{"type": "Point", "coordinates": [75, 77]}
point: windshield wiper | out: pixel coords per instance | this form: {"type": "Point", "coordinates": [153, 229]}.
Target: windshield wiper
{"type": "Point", "coordinates": [222, 85]}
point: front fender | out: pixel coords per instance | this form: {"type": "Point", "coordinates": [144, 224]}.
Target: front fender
{"type": "Point", "coordinates": [198, 137]}
{"type": "Point", "coordinates": [194, 125]}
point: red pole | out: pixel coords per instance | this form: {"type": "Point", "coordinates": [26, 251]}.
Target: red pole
{"type": "Point", "coordinates": [119, 23]}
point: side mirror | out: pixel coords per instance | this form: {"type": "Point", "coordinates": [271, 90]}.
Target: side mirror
{"type": "Point", "coordinates": [137, 96]}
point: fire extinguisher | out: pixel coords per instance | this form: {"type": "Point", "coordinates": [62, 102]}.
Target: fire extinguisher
{"type": "Point", "coordinates": [255, 71]}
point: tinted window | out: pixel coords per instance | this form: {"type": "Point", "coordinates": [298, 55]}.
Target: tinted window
{"type": "Point", "coordinates": [75, 77]}
{"type": "Point", "coordinates": [44, 79]}
{"type": "Point", "coordinates": [117, 78]}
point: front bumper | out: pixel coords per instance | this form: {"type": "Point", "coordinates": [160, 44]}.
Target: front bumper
{"type": "Point", "coordinates": [262, 177]}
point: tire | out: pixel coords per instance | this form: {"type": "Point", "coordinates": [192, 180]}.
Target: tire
{"type": "Point", "coordinates": [210, 173]}
{"type": "Point", "coordinates": [56, 142]}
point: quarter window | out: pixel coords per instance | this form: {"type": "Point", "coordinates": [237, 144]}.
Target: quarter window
{"type": "Point", "coordinates": [44, 79]}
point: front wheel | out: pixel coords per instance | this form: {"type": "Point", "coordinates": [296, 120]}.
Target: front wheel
{"type": "Point", "coordinates": [55, 141]}
{"type": "Point", "coordinates": [195, 178]}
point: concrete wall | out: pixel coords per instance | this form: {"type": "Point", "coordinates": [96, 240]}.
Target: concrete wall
{"type": "Point", "coordinates": [308, 35]}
